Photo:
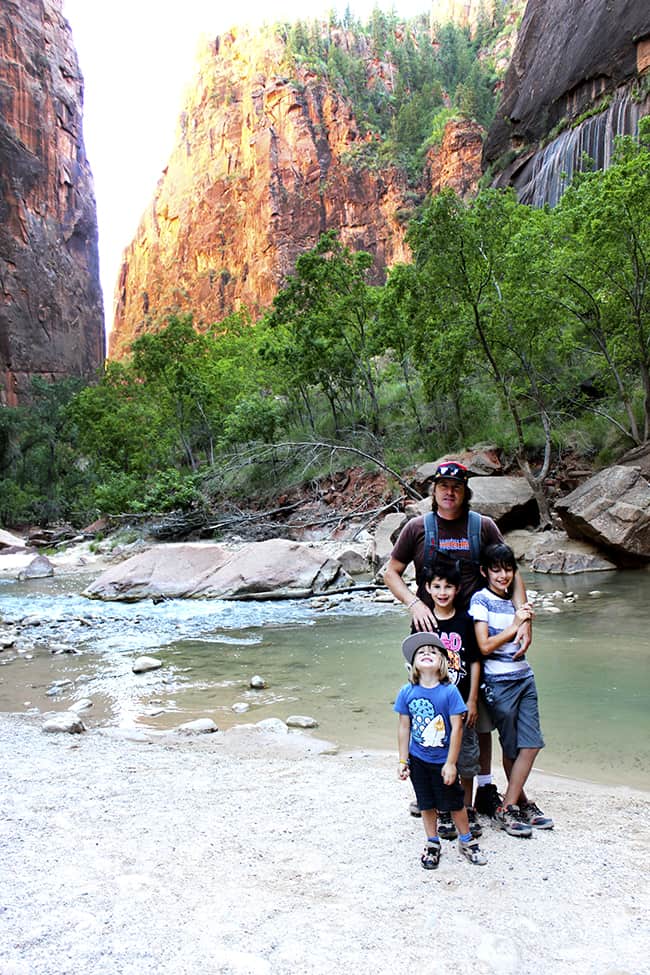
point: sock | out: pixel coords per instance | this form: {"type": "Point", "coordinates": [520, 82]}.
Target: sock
{"type": "Point", "coordinates": [483, 780]}
{"type": "Point", "coordinates": [465, 837]}
{"type": "Point", "coordinates": [433, 839]}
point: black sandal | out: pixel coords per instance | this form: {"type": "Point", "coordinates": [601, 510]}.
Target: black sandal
{"type": "Point", "coordinates": [431, 856]}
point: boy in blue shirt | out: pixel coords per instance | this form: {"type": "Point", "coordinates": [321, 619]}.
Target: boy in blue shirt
{"type": "Point", "coordinates": [429, 737]}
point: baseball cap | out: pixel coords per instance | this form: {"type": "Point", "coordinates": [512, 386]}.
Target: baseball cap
{"type": "Point", "coordinates": [451, 470]}
{"type": "Point", "coordinates": [422, 639]}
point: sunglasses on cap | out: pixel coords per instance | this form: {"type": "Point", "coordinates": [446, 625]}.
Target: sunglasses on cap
{"type": "Point", "coordinates": [452, 471]}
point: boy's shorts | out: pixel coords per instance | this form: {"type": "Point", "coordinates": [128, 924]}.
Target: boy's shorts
{"type": "Point", "coordinates": [484, 723]}
{"type": "Point", "coordinates": [515, 712]}
{"type": "Point", "coordinates": [430, 791]}
{"type": "Point", "coordinates": [469, 759]}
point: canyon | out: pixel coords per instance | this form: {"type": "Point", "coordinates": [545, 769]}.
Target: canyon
{"type": "Point", "coordinates": [51, 317]}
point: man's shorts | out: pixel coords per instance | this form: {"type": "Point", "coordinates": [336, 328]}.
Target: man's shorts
{"type": "Point", "coordinates": [515, 712]}
{"type": "Point", "coordinates": [469, 759]}
{"type": "Point", "coordinates": [430, 791]}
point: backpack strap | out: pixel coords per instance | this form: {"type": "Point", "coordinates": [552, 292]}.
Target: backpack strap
{"type": "Point", "coordinates": [431, 537]}
{"type": "Point", "coordinates": [474, 534]}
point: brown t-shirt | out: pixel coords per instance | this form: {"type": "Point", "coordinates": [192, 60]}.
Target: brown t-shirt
{"type": "Point", "coordinates": [453, 542]}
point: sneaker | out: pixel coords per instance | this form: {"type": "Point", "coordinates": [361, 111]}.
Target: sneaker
{"type": "Point", "coordinates": [472, 852]}
{"type": "Point", "coordinates": [510, 819]}
{"type": "Point", "coordinates": [533, 815]}
{"type": "Point", "coordinates": [431, 856]}
{"type": "Point", "coordinates": [487, 800]}
{"type": "Point", "coordinates": [414, 809]}
{"type": "Point", "coordinates": [475, 827]}
{"type": "Point", "coordinates": [446, 829]}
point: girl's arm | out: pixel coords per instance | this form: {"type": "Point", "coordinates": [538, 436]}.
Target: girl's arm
{"type": "Point", "coordinates": [449, 772]}
{"type": "Point", "coordinates": [403, 738]}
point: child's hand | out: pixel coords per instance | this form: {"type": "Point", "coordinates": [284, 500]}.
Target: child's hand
{"type": "Point", "coordinates": [472, 714]}
{"type": "Point", "coordinates": [403, 770]}
{"type": "Point", "coordinates": [449, 773]}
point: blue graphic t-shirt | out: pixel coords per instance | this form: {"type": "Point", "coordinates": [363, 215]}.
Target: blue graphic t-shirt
{"type": "Point", "coordinates": [430, 710]}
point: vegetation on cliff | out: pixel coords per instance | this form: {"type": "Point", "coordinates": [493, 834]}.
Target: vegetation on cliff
{"type": "Point", "coordinates": [527, 328]}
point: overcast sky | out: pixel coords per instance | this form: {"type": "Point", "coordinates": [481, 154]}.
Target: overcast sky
{"type": "Point", "coordinates": [137, 58]}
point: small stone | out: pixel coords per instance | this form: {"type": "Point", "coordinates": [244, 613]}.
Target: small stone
{"type": "Point", "coordinates": [143, 664]}
{"type": "Point", "coordinates": [257, 683]}
{"type": "Point", "coordinates": [274, 725]}
{"type": "Point", "coordinates": [239, 707]}
{"type": "Point", "coordinates": [201, 726]}
{"type": "Point", "coordinates": [83, 705]}
{"type": "Point", "coordinates": [67, 723]}
{"type": "Point", "coordinates": [383, 597]}
{"type": "Point", "coordinates": [595, 593]}
{"type": "Point", "coordinates": [301, 721]}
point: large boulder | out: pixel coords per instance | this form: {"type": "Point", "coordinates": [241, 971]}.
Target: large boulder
{"type": "Point", "coordinates": [274, 569]}
{"type": "Point", "coordinates": [611, 509]}
{"type": "Point", "coordinates": [554, 552]}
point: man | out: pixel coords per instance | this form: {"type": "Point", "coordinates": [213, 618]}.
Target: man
{"type": "Point", "coordinates": [456, 537]}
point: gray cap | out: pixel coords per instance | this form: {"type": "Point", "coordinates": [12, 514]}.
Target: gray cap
{"type": "Point", "coordinates": [423, 639]}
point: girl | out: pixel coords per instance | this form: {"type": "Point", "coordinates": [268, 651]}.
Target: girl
{"type": "Point", "coordinates": [429, 737]}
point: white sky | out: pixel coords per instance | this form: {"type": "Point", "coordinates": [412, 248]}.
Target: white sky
{"type": "Point", "coordinates": [137, 58]}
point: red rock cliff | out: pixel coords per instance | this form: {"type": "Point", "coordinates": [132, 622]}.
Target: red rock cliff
{"type": "Point", "coordinates": [261, 168]}
{"type": "Point", "coordinates": [51, 318]}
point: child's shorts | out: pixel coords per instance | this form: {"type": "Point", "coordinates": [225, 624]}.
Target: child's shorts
{"type": "Point", "coordinates": [430, 791]}
{"type": "Point", "coordinates": [515, 712]}
{"type": "Point", "coordinates": [484, 722]}
{"type": "Point", "coordinates": [469, 759]}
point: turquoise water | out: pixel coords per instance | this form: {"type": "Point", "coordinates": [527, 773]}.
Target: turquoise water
{"type": "Point", "coordinates": [342, 667]}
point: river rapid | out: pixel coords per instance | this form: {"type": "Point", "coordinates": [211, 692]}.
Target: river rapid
{"type": "Point", "coordinates": [337, 661]}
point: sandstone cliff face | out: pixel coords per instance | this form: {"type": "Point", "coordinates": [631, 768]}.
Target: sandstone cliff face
{"type": "Point", "coordinates": [263, 165]}
{"type": "Point", "coordinates": [51, 318]}
{"type": "Point", "coordinates": [569, 54]}
{"type": "Point", "coordinates": [456, 163]}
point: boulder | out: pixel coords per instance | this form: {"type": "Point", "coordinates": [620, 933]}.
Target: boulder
{"type": "Point", "coordinates": [14, 542]}
{"type": "Point", "coordinates": [611, 509]}
{"type": "Point", "coordinates": [273, 569]}
{"type": "Point", "coordinates": [386, 533]}
{"type": "Point", "coordinates": [553, 551]}
{"type": "Point", "coordinates": [353, 562]}
{"type": "Point", "coordinates": [67, 722]}
{"type": "Point", "coordinates": [39, 568]}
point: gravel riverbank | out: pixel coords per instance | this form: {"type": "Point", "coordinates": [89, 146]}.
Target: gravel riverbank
{"type": "Point", "coordinates": [256, 854]}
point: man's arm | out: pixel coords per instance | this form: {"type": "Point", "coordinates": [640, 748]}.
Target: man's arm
{"type": "Point", "coordinates": [524, 633]}
{"type": "Point", "coordinates": [421, 616]}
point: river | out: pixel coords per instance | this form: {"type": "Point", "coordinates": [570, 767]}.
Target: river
{"type": "Point", "coordinates": [342, 665]}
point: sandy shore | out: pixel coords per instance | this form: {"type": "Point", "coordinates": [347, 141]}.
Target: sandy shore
{"type": "Point", "coordinates": [255, 854]}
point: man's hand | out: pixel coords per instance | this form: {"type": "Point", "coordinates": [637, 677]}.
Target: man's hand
{"type": "Point", "coordinates": [472, 714]}
{"type": "Point", "coordinates": [422, 617]}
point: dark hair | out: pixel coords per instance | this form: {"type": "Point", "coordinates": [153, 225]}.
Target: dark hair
{"type": "Point", "coordinates": [497, 555]}
{"type": "Point", "coordinates": [443, 568]}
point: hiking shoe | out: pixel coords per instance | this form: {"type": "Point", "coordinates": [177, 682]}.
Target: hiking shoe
{"type": "Point", "coordinates": [414, 809]}
{"type": "Point", "coordinates": [431, 856]}
{"type": "Point", "coordinates": [510, 819]}
{"type": "Point", "coordinates": [475, 827]}
{"type": "Point", "coordinates": [533, 815]}
{"type": "Point", "coordinates": [472, 852]}
{"type": "Point", "coordinates": [487, 800]}
{"type": "Point", "coordinates": [446, 829]}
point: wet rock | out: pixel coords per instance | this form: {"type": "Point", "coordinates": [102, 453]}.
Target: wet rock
{"type": "Point", "coordinates": [301, 721]}
{"type": "Point", "coordinates": [144, 664]}
{"type": "Point", "coordinates": [569, 563]}
{"type": "Point", "coordinates": [57, 687]}
{"type": "Point", "coordinates": [39, 568]}
{"type": "Point", "coordinates": [67, 722]}
{"type": "Point", "coordinates": [257, 683]}
{"type": "Point", "coordinates": [7, 640]}
{"type": "Point", "coordinates": [240, 707]}
{"type": "Point", "coordinates": [201, 726]}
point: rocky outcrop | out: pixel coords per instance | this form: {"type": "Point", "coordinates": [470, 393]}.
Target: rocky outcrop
{"type": "Point", "coordinates": [275, 569]}
{"type": "Point", "coordinates": [456, 163]}
{"type": "Point", "coordinates": [611, 509]}
{"type": "Point", "coordinates": [571, 57]}
{"type": "Point", "coordinates": [264, 163]}
{"type": "Point", "coordinates": [51, 317]}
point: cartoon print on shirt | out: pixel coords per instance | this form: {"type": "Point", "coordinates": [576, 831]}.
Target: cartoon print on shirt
{"type": "Point", "coordinates": [454, 645]}
{"type": "Point", "coordinates": [427, 728]}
